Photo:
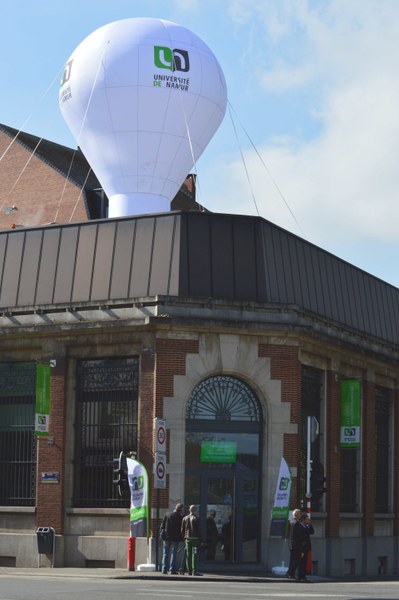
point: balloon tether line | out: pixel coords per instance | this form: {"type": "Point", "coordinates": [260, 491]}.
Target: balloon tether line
{"type": "Point", "coordinates": [265, 166]}
{"type": "Point", "coordinates": [78, 139]}
{"type": "Point", "coordinates": [14, 139]}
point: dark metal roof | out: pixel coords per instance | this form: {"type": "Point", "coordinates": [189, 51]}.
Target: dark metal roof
{"type": "Point", "coordinates": [191, 255]}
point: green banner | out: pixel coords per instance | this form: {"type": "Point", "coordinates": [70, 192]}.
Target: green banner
{"type": "Point", "coordinates": [42, 412]}
{"type": "Point", "coordinates": [350, 414]}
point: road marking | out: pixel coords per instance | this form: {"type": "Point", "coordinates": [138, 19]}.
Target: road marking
{"type": "Point", "coordinates": [246, 594]}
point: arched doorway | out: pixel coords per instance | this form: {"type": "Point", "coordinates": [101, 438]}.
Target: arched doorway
{"type": "Point", "coordinates": [223, 466]}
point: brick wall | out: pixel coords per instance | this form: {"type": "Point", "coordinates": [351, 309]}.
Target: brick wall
{"type": "Point", "coordinates": [157, 383]}
{"type": "Point", "coordinates": [368, 458]}
{"type": "Point", "coordinates": [37, 190]}
{"type": "Point", "coordinates": [333, 467]}
{"type": "Point", "coordinates": [285, 366]}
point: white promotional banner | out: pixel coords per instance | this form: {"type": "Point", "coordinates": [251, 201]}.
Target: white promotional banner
{"type": "Point", "coordinates": [142, 97]}
{"type": "Point", "coordinates": [138, 484]}
{"type": "Point", "coordinates": [281, 501]}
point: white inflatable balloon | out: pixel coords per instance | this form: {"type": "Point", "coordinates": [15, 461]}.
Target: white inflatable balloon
{"type": "Point", "coordinates": [142, 97]}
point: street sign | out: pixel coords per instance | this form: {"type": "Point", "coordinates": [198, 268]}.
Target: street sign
{"type": "Point", "coordinates": [160, 435]}
{"type": "Point", "coordinates": [160, 471]}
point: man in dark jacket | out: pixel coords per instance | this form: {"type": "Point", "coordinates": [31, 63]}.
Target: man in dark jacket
{"type": "Point", "coordinates": [301, 532]}
{"type": "Point", "coordinates": [307, 531]}
{"type": "Point", "coordinates": [171, 525]}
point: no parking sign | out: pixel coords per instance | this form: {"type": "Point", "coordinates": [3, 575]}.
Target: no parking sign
{"type": "Point", "coordinates": [160, 454]}
{"type": "Point", "coordinates": [160, 471]}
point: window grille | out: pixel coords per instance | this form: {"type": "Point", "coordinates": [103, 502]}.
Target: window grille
{"type": "Point", "coordinates": [349, 480]}
{"type": "Point", "coordinates": [17, 438]}
{"type": "Point", "coordinates": [106, 424]}
{"type": "Point", "coordinates": [223, 398]}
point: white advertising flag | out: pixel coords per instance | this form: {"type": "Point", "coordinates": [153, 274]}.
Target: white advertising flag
{"type": "Point", "coordinates": [281, 501]}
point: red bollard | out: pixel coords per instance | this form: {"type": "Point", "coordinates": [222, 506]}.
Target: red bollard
{"type": "Point", "coordinates": [131, 553]}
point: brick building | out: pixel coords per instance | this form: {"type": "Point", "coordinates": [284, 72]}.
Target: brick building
{"type": "Point", "coordinates": [230, 328]}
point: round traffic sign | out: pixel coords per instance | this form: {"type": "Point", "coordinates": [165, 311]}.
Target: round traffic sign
{"type": "Point", "coordinates": [160, 469]}
{"type": "Point", "coordinates": [161, 435]}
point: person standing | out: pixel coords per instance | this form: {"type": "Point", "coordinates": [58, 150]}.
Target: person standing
{"type": "Point", "coordinates": [212, 536]}
{"type": "Point", "coordinates": [190, 529]}
{"type": "Point", "coordinates": [307, 531]}
{"type": "Point", "coordinates": [294, 558]}
{"type": "Point", "coordinates": [171, 525]}
{"type": "Point", "coordinates": [226, 539]}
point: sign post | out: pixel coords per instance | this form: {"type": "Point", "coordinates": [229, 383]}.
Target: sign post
{"type": "Point", "coordinates": [159, 469]}
{"type": "Point", "coordinates": [312, 433]}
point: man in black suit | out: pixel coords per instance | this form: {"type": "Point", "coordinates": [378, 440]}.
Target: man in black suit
{"type": "Point", "coordinates": [296, 517]}
{"type": "Point", "coordinates": [306, 546]}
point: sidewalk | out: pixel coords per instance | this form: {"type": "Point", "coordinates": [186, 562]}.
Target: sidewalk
{"type": "Point", "coordinates": [125, 574]}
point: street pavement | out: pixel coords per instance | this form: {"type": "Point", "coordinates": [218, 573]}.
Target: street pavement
{"type": "Point", "coordinates": [99, 573]}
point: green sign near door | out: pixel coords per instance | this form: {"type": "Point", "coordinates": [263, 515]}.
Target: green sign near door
{"type": "Point", "coordinates": [219, 452]}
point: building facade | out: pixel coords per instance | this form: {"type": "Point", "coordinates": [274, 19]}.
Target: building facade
{"type": "Point", "coordinates": [232, 330]}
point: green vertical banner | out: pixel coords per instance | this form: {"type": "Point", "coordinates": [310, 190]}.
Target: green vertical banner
{"type": "Point", "coordinates": [138, 483]}
{"type": "Point", "coordinates": [42, 412]}
{"type": "Point", "coordinates": [350, 414]}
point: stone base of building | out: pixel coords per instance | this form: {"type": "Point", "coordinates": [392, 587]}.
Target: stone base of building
{"type": "Point", "coordinates": [367, 557]}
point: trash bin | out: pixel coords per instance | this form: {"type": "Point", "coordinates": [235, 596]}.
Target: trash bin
{"type": "Point", "coordinates": [45, 540]}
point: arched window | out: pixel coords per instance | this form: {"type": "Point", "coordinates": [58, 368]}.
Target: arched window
{"type": "Point", "coordinates": [223, 398]}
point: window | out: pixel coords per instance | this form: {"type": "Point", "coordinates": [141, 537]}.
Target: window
{"type": "Point", "coordinates": [106, 424]}
{"type": "Point", "coordinates": [311, 399]}
{"type": "Point", "coordinates": [349, 480]}
{"type": "Point", "coordinates": [383, 403]}
{"type": "Point", "coordinates": [17, 436]}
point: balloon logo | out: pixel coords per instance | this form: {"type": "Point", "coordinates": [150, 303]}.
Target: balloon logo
{"type": "Point", "coordinates": [142, 98]}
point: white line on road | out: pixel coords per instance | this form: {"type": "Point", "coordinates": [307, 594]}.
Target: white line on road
{"type": "Point", "coordinates": [246, 594]}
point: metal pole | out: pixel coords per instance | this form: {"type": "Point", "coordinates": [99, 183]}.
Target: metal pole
{"type": "Point", "coordinates": [308, 467]}
{"type": "Point", "coordinates": [157, 534]}
{"type": "Point", "coordinates": [53, 556]}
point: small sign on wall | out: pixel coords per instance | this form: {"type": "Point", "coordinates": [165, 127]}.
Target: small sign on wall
{"type": "Point", "coordinates": [52, 477]}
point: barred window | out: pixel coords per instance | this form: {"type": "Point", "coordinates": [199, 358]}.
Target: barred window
{"type": "Point", "coordinates": [17, 436]}
{"type": "Point", "coordinates": [349, 480]}
{"type": "Point", "coordinates": [106, 424]}
{"type": "Point", "coordinates": [383, 403]}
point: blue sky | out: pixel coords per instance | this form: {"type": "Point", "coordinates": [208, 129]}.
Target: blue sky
{"type": "Point", "coordinates": [311, 138]}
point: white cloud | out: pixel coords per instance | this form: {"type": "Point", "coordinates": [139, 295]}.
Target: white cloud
{"type": "Point", "coordinates": [343, 183]}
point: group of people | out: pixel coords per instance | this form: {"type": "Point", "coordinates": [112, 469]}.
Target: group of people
{"type": "Point", "coordinates": [300, 545]}
{"type": "Point", "coordinates": [177, 528]}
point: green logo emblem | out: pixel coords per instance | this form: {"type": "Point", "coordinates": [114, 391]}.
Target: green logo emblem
{"type": "Point", "coordinates": [174, 60]}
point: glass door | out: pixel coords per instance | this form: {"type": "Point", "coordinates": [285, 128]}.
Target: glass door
{"type": "Point", "coordinates": [218, 508]}
{"type": "Point", "coordinates": [229, 508]}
